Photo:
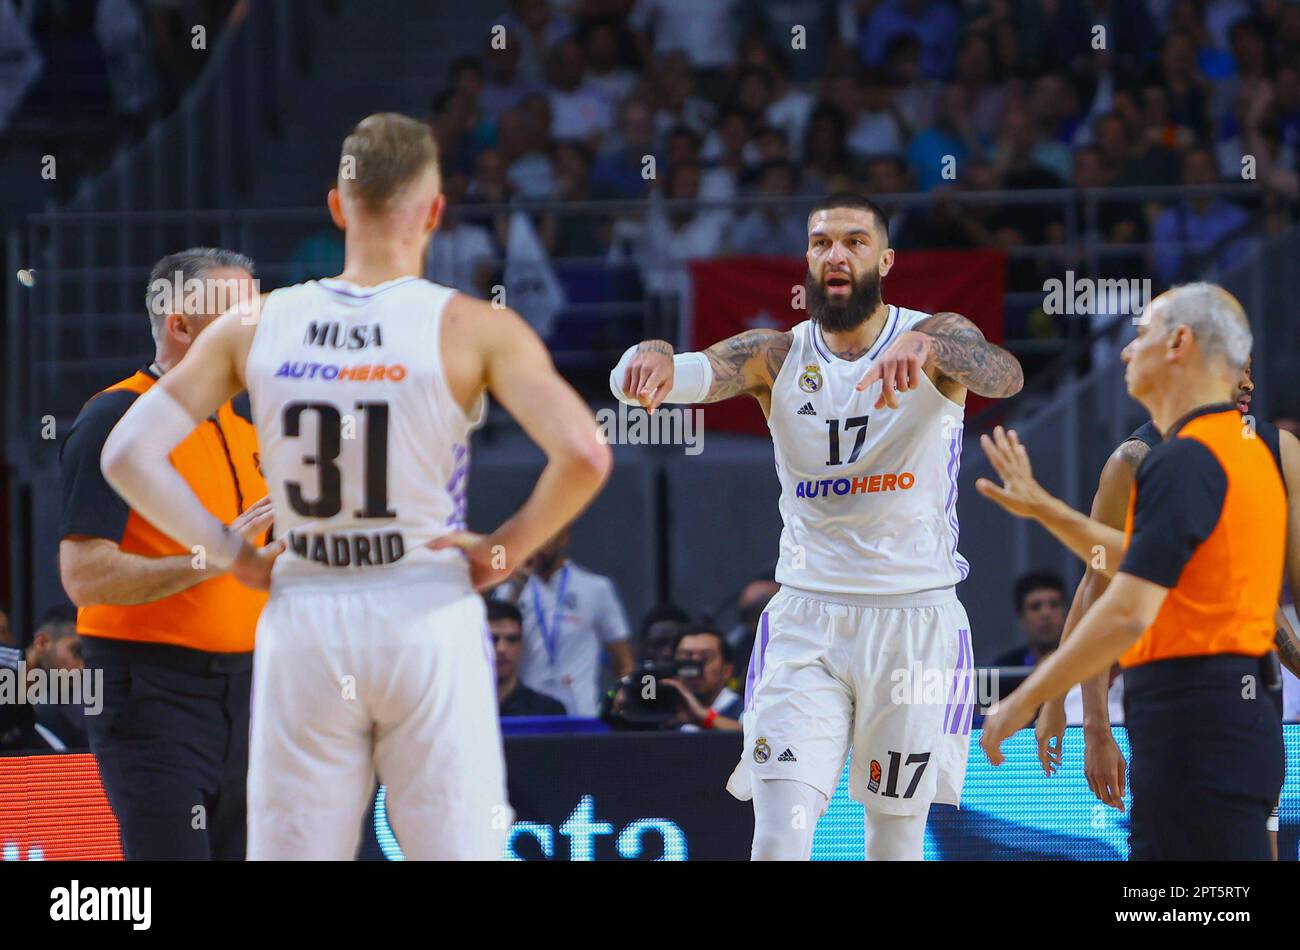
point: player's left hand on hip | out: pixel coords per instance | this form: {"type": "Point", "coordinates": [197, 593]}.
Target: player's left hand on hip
{"type": "Point", "coordinates": [1019, 493]}
{"type": "Point", "coordinates": [253, 566]}
{"type": "Point", "coordinates": [898, 369]}
{"type": "Point", "coordinates": [487, 564]}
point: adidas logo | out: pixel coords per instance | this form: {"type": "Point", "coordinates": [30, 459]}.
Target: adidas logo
{"type": "Point", "coordinates": [807, 410]}
{"type": "Point", "coordinates": [786, 756]}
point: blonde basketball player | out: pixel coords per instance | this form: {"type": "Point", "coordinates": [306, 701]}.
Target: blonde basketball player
{"type": "Point", "coordinates": [865, 403]}
{"type": "Point", "coordinates": [372, 655]}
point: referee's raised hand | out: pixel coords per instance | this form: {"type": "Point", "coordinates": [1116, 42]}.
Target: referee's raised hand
{"type": "Point", "coordinates": [1019, 492]}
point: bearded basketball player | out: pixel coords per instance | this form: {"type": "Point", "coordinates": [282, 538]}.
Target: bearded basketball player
{"type": "Point", "coordinates": [865, 404]}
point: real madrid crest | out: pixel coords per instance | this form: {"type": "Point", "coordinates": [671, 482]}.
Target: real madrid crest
{"type": "Point", "coordinates": [811, 380]}
{"type": "Point", "coordinates": [762, 751]}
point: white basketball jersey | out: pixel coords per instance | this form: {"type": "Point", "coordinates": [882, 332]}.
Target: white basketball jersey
{"type": "Point", "coordinates": [868, 497]}
{"type": "Point", "coordinates": [364, 449]}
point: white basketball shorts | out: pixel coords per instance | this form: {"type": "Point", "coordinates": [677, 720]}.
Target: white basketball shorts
{"type": "Point", "coordinates": [392, 681]}
{"type": "Point", "coordinates": [888, 678]}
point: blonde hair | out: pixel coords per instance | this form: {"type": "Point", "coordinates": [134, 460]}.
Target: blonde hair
{"type": "Point", "coordinates": [382, 155]}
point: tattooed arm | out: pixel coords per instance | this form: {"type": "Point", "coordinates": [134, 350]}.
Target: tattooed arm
{"type": "Point", "coordinates": [960, 353]}
{"type": "Point", "coordinates": [1288, 644]}
{"type": "Point", "coordinates": [745, 363]}
{"type": "Point", "coordinates": [953, 353]}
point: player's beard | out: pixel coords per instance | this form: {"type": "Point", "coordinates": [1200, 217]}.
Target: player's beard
{"type": "Point", "coordinates": [840, 315]}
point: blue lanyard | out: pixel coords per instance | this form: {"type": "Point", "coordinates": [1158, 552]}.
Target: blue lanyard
{"type": "Point", "coordinates": [550, 631]}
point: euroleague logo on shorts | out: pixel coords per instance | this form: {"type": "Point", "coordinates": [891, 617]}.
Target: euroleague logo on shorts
{"type": "Point", "coordinates": [874, 784]}
{"type": "Point", "coordinates": [762, 751]}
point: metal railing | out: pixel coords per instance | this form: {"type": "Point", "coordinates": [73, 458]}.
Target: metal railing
{"type": "Point", "coordinates": [199, 155]}
{"type": "Point", "coordinates": [80, 320]}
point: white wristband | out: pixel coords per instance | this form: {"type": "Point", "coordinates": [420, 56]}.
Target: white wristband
{"type": "Point", "coordinates": [692, 378]}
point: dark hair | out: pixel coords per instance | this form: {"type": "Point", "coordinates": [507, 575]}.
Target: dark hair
{"type": "Point", "coordinates": [705, 628]}
{"type": "Point", "coordinates": [502, 610]}
{"type": "Point", "coordinates": [1026, 584]}
{"type": "Point", "coordinates": [463, 63]}
{"type": "Point", "coordinates": [581, 148]}
{"type": "Point", "coordinates": [658, 614]}
{"type": "Point", "coordinates": [852, 199]}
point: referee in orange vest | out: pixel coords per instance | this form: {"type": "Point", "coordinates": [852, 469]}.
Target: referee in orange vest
{"type": "Point", "coordinates": [1190, 610]}
{"type": "Point", "coordinates": [171, 636]}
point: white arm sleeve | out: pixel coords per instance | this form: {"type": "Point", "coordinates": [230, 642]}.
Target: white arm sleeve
{"type": "Point", "coordinates": [692, 378]}
{"type": "Point", "coordinates": [136, 463]}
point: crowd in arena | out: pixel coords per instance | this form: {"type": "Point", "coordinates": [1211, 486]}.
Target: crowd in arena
{"type": "Point", "coordinates": [614, 99]}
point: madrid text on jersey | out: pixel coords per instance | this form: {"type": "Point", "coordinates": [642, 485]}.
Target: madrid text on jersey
{"type": "Point", "coordinates": [884, 481]}
{"type": "Point", "coordinates": [354, 549]}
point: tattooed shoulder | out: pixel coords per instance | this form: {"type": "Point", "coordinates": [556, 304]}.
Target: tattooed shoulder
{"type": "Point", "coordinates": [741, 362]}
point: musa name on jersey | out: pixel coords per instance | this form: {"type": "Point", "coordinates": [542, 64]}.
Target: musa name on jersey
{"type": "Point", "coordinates": [868, 497]}
{"type": "Point", "coordinates": [364, 448]}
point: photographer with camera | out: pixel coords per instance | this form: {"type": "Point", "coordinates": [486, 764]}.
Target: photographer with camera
{"type": "Point", "coordinates": [687, 692]}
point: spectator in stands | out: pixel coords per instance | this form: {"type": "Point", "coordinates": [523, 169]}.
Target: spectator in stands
{"type": "Point", "coordinates": [657, 636]}
{"type": "Point", "coordinates": [461, 253]}
{"type": "Point", "coordinates": [674, 86]}
{"type": "Point", "coordinates": [913, 93]}
{"type": "Point", "coordinates": [1269, 140]}
{"type": "Point", "coordinates": [706, 701]}
{"type": "Point", "coordinates": [1040, 610]}
{"type": "Point", "coordinates": [1054, 103]}
{"type": "Point", "coordinates": [1198, 230]}
{"type": "Point", "coordinates": [56, 646]}
{"type": "Point", "coordinates": [776, 229]}
{"type": "Point", "coordinates": [506, 626]}
{"type": "Point", "coordinates": [7, 638]}
{"type": "Point", "coordinates": [986, 95]}
{"type": "Point", "coordinates": [455, 121]}
{"type": "Point", "coordinates": [936, 153]}
{"type": "Point", "coordinates": [874, 124]}
{"type": "Point", "coordinates": [728, 155]}
{"type": "Point", "coordinates": [534, 27]}
{"type": "Point", "coordinates": [704, 32]}
{"type": "Point", "coordinates": [51, 721]}
{"type": "Point", "coordinates": [622, 171]}
{"type": "Point", "coordinates": [1016, 165]}
{"type": "Point", "coordinates": [504, 86]}
{"type": "Point", "coordinates": [789, 107]}
{"type": "Point", "coordinates": [889, 175]}
{"type": "Point", "coordinates": [673, 237]}
{"type": "Point", "coordinates": [934, 23]}
{"type": "Point", "coordinates": [578, 109]}
{"type": "Point", "coordinates": [826, 156]}
{"type": "Point", "coordinates": [523, 143]}
{"type": "Point", "coordinates": [569, 615]}
{"type": "Point", "coordinates": [568, 234]}
{"type": "Point", "coordinates": [1186, 93]}
{"type": "Point", "coordinates": [770, 145]}
{"type": "Point", "coordinates": [607, 69]}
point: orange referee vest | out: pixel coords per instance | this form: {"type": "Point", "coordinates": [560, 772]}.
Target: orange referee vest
{"type": "Point", "coordinates": [1226, 596]}
{"type": "Point", "coordinates": [219, 461]}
